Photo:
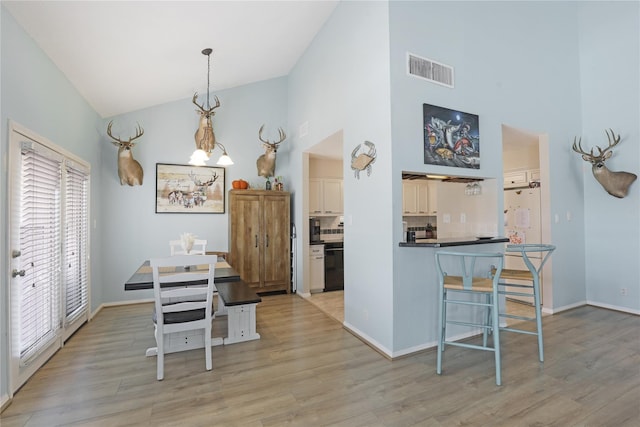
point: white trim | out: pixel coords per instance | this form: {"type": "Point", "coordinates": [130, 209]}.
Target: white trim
{"type": "Point", "coordinates": [614, 307]}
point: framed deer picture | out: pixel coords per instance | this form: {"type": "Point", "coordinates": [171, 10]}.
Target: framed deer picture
{"type": "Point", "coordinates": [189, 189]}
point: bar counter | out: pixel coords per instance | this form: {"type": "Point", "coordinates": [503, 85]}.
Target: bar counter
{"type": "Point", "coordinates": [452, 241]}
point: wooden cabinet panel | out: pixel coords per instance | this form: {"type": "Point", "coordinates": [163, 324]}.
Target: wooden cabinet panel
{"type": "Point", "coordinates": [259, 238]}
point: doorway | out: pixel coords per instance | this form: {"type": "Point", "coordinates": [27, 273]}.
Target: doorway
{"type": "Point", "coordinates": [323, 173]}
{"type": "Point", "coordinates": [525, 157]}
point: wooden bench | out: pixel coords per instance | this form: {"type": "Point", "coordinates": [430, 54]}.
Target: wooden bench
{"type": "Point", "coordinates": [238, 301]}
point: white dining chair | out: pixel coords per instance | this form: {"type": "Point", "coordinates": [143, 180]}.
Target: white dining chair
{"type": "Point", "coordinates": [181, 308]}
{"type": "Point", "coordinates": [199, 247]}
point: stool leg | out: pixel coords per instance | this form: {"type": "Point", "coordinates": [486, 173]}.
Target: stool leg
{"type": "Point", "coordinates": [496, 335]}
{"type": "Point", "coordinates": [442, 328]}
{"type": "Point", "coordinates": [487, 322]}
{"type": "Point", "coordinates": [537, 304]}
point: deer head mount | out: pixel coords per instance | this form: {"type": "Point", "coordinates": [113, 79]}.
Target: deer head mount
{"type": "Point", "coordinates": [129, 170]}
{"type": "Point", "coordinates": [615, 183]}
{"type": "Point", "coordinates": [266, 163]}
{"type": "Point", "coordinates": [205, 138]}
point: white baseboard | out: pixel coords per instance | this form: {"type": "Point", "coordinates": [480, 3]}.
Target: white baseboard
{"type": "Point", "coordinates": [614, 307]}
{"type": "Point", "coordinates": [557, 310]}
{"type": "Point", "coordinates": [119, 303]}
{"type": "Point", "coordinates": [368, 340]}
{"type": "Point", "coordinates": [5, 400]}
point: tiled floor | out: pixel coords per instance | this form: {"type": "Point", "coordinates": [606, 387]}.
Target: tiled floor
{"type": "Point", "coordinates": [332, 303]}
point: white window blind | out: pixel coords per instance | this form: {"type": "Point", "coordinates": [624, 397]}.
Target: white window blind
{"type": "Point", "coordinates": [40, 216]}
{"type": "Point", "coordinates": [75, 268]}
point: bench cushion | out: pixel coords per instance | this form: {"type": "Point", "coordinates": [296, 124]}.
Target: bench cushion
{"type": "Point", "coordinates": [237, 293]}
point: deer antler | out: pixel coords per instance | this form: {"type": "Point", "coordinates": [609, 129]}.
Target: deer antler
{"type": "Point", "coordinates": [139, 133]}
{"type": "Point", "coordinates": [199, 183]}
{"type": "Point", "coordinates": [603, 154]}
{"type": "Point", "coordinates": [201, 107]}
{"type": "Point", "coordinates": [613, 141]}
{"type": "Point", "coordinates": [578, 148]}
{"type": "Point", "coordinates": [283, 136]}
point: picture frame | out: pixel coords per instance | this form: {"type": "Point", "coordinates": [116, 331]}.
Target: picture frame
{"type": "Point", "coordinates": [451, 137]}
{"type": "Point", "coordinates": [190, 189]}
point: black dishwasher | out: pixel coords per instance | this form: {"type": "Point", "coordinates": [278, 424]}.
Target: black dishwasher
{"type": "Point", "coordinates": [333, 266]}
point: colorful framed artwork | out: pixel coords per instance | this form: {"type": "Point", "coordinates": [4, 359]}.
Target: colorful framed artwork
{"type": "Point", "coordinates": [189, 189]}
{"type": "Point", "coordinates": [451, 138]}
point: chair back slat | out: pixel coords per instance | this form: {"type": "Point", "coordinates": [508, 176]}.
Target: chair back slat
{"type": "Point", "coordinates": [183, 298]}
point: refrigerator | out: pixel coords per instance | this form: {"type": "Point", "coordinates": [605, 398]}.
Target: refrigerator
{"type": "Point", "coordinates": [522, 225]}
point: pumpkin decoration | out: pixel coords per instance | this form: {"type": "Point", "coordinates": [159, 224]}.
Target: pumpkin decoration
{"type": "Point", "coordinates": [240, 184]}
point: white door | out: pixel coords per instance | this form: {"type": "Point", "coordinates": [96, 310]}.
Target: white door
{"type": "Point", "coordinates": [48, 238]}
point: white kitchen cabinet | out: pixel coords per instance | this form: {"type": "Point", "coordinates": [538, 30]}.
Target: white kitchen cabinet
{"type": "Point", "coordinates": [315, 196]}
{"type": "Point", "coordinates": [433, 197]}
{"type": "Point", "coordinates": [316, 273]}
{"type": "Point", "coordinates": [515, 179]}
{"type": "Point", "coordinates": [415, 198]}
{"type": "Point", "coordinates": [325, 196]}
{"type": "Point", "coordinates": [534, 175]}
{"type": "Point", "coordinates": [409, 197]}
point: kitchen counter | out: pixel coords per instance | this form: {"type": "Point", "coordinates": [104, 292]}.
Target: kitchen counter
{"type": "Point", "coordinates": [452, 241]}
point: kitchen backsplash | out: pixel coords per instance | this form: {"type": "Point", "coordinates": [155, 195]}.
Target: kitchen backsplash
{"type": "Point", "coordinates": [331, 228]}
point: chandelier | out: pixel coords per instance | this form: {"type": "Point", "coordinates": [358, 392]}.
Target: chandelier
{"type": "Point", "coordinates": [205, 138]}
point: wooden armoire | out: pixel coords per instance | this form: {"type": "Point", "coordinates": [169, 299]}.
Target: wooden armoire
{"type": "Point", "coordinates": [259, 238]}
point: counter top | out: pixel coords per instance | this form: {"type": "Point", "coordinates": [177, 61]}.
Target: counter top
{"type": "Point", "coordinates": [452, 241]}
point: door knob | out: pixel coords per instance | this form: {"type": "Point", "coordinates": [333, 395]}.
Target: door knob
{"type": "Point", "coordinates": [16, 273]}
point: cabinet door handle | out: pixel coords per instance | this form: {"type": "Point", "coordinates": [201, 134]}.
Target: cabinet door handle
{"type": "Point", "coordinates": [267, 237]}
{"type": "Point", "coordinates": [256, 240]}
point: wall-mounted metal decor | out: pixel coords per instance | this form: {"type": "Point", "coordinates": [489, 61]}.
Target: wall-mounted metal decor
{"type": "Point", "coordinates": [362, 158]}
{"type": "Point", "coordinates": [451, 138]}
{"type": "Point", "coordinates": [189, 189]}
{"type": "Point", "coordinates": [615, 183]}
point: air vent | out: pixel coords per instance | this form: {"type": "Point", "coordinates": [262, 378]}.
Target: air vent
{"type": "Point", "coordinates": [430, 70]}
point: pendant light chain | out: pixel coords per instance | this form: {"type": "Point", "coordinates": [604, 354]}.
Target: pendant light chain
{"type": "Point", "coordinates": [208, 73]}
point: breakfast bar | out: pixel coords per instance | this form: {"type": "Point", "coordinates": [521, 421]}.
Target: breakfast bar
{"type": "Point", "coordinates": [453, 241]}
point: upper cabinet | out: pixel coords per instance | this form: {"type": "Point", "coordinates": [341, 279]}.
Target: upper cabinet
{"type": "Point", "coordinates": [521, 178]}
{"type": "Point", "coordinates": [325, 196]}
{"type": "Point", "coordinates": [418, 198]}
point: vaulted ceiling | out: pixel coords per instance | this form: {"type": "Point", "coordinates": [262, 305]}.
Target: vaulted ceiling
{"type": "Point", "coordinates": [127, 55]}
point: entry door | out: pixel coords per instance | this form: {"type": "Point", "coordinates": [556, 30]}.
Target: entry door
{"type": "Point", "coordinates": [48, 225]}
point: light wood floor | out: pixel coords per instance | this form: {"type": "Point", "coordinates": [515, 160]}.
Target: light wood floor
{"type": "Point", "coordinates": [309, 371]}
{"type": "Point", "coordinates": [332, 304]}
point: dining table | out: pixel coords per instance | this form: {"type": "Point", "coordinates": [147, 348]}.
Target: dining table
{"type": "Point", "coordinates": [142, 279]}
{"type": "Point", "coordinates": [143, 276]}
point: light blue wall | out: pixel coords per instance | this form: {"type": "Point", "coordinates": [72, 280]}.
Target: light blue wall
{"type": "Point", "coordinates": [36, 95]}
{"type": "Point", "coordinates": [342, 83]}
{"type": "Point", "coordinates": [508, 70]}
{"type": "Point", "coordinates": [610, 91]}
{"type": "Point", "coordinates": [135, 231]}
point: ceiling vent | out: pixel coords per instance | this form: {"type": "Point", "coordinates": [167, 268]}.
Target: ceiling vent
{"type": "Point", "coordinates": [430, 70]}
